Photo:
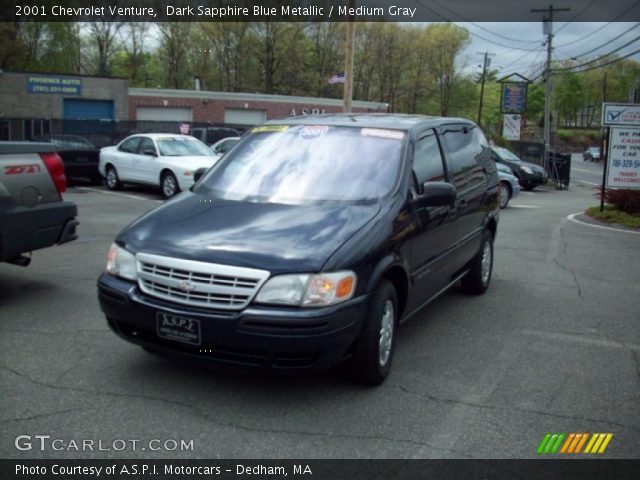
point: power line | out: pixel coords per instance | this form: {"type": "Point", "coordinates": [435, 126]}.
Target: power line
{"type": "Point", "coordinates": [475, 34]}
{"type": "Point", "coordinates": [576, 15]}
{"type": "Point", "coordinates": [600, 28]}
{"type": "Point", "coordinates": [483, 28]}
{"type": "Point", "coordinates": [601, 56]}
{"type": "Point", "coordinates": [602, 65]}
{"type": "Point", "coordinates": [575, 57]}
{"type": "Point", "coordinates": [540, 50]}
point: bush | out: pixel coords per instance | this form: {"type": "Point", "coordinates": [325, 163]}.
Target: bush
{"type": "Point", "coordinates": [624, 200]}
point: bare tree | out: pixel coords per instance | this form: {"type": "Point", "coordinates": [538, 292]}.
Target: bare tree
{"type": "Point", "coordinates": [102, 42]}
{"type": "Point", "coordinates": [133, 36]}
{"type": "Point", "coordinates": [174, 45]}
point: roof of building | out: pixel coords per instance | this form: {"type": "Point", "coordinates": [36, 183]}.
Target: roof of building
{"type": "Point", "coordinates": [250, 97]}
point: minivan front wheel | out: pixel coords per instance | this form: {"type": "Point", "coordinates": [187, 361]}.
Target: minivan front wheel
{"type": "Point", "coordinates": [477, 280]}
{"type": "Point", "coordinates": [376, 344]}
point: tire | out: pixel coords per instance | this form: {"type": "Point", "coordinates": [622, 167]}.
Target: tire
{"type": "Point", "coordinates": [476, 282]}
{"type": "Point", "coordinates": [112, 179]}
{"type": "Point", "coordinates": [169, 185]}
{"type": "Point", "coordinates": [371, 365]}
{"type": "Point", "coordinates": [505, 194]}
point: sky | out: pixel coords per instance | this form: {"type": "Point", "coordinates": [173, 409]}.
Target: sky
{"type": "Point", "coordinates": [509, 41]}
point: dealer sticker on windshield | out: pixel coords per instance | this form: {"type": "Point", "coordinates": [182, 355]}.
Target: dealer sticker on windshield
{"type": "Point", "coordinates": [382, 133]}
{"type": "Point", "coordinates": [312, 131]}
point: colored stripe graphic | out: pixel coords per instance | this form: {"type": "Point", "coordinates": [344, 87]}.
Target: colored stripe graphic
{"type": "Point", "coordinates": [551, 443]}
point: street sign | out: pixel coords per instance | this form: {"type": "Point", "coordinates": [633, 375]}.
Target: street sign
{"type": "Point", "coordinates": [514, 97]}
{"type": "Point", "coordinates": [624, 158]}
{"type": "Point", "coordinates": [511, 127]}
{"type": "Point", "coordinates": [620, 114]}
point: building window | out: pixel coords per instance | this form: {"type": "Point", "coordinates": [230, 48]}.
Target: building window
{"type": "Point", "coordinates": [35, 128]}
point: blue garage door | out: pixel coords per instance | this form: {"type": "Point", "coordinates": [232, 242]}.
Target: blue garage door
{"type": "Point", "coordinates": [75, 109]}
{"type": "Point", "coordinates": [88, 117]}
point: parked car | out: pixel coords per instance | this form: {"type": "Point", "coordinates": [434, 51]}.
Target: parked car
{"type": "Point", "coordinates": [211, 135]}
{"type": "Point", "coordinates": [528, 174]}
{"type": "Point", "coordinates": [223, 146]}
{"type": "Point", "coordinates": [591, 154]}
{"type": "Point", "coordinates": [32, 212]}
{"type": "Point", "coordinates": [80, 156]}
{"type": "Point", "coordinates": [509, 185]}
{"type": "Point", "coordinates": [162, 159]}
{"type": "Point", "coordinates": [308, 243]}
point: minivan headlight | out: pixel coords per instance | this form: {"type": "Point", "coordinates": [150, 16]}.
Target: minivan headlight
{"type": "Point", "coordinates": [527, 170]}
{"type": "Point", "coordinates": [308, 290]}
{"type": "Point", "coordinates": [121, 263]}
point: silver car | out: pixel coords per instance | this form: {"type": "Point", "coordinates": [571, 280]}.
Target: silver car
{"type": "Point", "coordinates": [509, 185]}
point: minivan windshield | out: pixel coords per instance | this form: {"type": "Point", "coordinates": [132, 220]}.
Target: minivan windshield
{"type": "Point", "coordinates": [309, 163]}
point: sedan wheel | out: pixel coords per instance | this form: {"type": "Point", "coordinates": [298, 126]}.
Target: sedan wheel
{"type": "Point", "coordinates": [113, 181]}
{"type": "Point", "coordinates": [169, 185]}
{"type": "Point", "coordinates": [505, 194]}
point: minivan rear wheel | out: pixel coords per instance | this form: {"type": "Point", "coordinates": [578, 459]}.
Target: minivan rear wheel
{"type": "Point", "coordinates": [376, 344]}
{"type": "Point", "coordinates": [477, 281]}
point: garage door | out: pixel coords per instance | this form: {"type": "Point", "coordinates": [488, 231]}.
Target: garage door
{"type": "Point", "coordinates": [76, 109]}
{"type": "Point", "coordinates": [244, 117]}
{"type": "Point", "coordinates": [164, 114]}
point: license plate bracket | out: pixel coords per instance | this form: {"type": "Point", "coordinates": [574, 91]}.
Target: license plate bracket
{"type": "Point", "coordinates": [178, 329]}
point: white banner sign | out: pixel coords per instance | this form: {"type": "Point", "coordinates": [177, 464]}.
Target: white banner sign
{"type": "Point", "coordinates": [623, 163]}
{"type": "Point", "coordinates": [511, 127]}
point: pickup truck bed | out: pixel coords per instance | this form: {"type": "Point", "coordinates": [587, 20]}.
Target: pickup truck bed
{"type": "Point", "coordinates": [32, 212]}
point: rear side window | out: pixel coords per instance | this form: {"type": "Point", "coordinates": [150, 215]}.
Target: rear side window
{"type": "Point", "coordinates": [130, 145]}
{"type": "Point", "coordinates": [467, 152]}
{"type": "Point", "coordinates": [427, 160]}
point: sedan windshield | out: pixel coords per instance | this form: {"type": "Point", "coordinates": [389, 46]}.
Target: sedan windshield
{"type": "Point", "coordinates": [298, 164]}
{"type": "Point", "coordinates": [182, 147]}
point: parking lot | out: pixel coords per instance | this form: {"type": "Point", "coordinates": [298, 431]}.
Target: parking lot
{"type": "Point", "coordinates": [554, 346]}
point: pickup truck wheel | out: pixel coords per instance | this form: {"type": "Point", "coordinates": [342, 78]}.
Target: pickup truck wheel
{"type": "Point", "coordinates": [113, 181]}
{"type": "Point", "coordinates": [505, 194]}
{"type": "Point", "coordinates": [169, 185]}
{"type": "Point", "coordinates": [477, 280]}
{"type": "Point", "coordinates": [376, 344]}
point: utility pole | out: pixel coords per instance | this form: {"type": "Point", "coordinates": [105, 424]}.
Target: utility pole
{"type": "Point", "coordinates": [347, 94]}
{"type": "Point", "coordinates": [548, 30]}
{"type": "Point", "coordinates": [485, 64]}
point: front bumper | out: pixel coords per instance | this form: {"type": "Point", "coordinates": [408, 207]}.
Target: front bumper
{"type": "Point", "coordinates": [257, 338]}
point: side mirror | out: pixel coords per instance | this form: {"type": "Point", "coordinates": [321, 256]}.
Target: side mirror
{"type": "Point", "coordinates": [436, 194]}
{"type": "Point", "coordinates": [149, 151]}
{"type": "Point", "coordinates": [199, 173]}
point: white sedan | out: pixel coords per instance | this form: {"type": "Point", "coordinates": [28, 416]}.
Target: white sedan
{"type": "Point", "coordinates": [160, 159]}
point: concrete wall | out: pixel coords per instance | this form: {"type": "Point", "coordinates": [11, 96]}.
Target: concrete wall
{"type": "Point", "coordinates": [17, 102]}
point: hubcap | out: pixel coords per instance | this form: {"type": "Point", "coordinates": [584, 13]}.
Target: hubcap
{"type": "Point", "coordinates": [386, 333]}
{"type": "Point", "coordinates": [111, 178]}
{"type": "Point", "coordinates": [504, 195]}
{"type": "Point", "coordinates": [486, 262]}
{"type": "Point", "coordinates": [169, 186]}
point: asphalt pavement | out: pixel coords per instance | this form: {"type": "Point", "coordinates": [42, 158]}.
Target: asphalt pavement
{"type": "Point", "coordinates": [553, 346]}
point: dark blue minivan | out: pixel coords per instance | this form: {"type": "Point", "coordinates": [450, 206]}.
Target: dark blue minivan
{"type": "Point", "coordinates": [308, 243]}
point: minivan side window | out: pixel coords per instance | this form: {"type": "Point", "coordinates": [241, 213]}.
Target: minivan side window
{"type": "Point", "coordinates": [130, 145]}
{"type": "Point", "coordinates": [427, 160]}
{"type": "Point", "coordinates": [464, 150]}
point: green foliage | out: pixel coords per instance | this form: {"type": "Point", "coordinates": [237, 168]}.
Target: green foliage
{"type": "Point", "coordinates": [612, 215]}
{"type": "Point", "coordinates": [625, 200]}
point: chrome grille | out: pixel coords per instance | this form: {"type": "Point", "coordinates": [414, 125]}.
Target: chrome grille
{"type": "Point", "coordinates": [198, 284]}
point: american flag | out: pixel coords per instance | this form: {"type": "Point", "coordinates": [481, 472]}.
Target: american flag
{"type": "Point", "coordinates": [337, 78]}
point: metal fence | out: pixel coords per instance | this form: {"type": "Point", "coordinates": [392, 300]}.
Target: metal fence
{"type": "Point", "coordinates": [94, 133]}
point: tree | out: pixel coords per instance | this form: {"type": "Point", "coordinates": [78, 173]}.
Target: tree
{"type": "Point", "coordinates": [102, 43]}
{"type": "Point", "coordinates": [444, 42]}
{"type": "Point", "coordinates": [174, 43]}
